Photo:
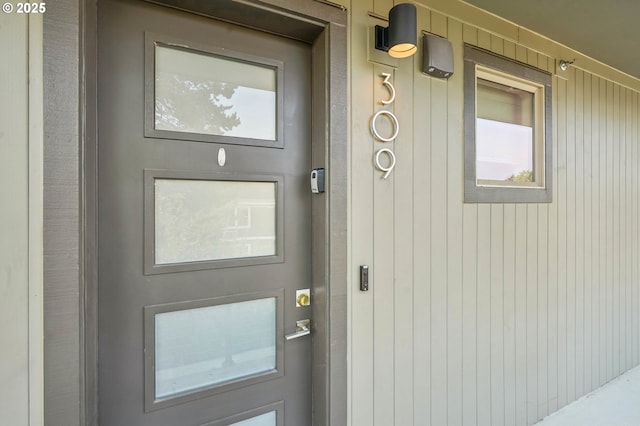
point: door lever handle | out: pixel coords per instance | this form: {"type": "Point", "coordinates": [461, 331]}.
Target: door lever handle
{"type": "Point", "coordinates": [303, 328]}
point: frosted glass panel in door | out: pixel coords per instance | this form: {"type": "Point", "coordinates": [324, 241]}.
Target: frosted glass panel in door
{"type": "Point", "coordinates": [207, 94]}
{"type": "Point", "coordinates": [199, 220]}
{"type": "Point", "coordinates": [203, 347]}
{"type": "Point", "coordinates": [267, 419]}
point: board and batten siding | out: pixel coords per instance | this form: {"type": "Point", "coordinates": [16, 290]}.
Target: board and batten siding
{"type": "Point", "coordinates": [487, 314]}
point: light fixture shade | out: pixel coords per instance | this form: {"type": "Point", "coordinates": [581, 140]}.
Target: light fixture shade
{"type": "Point", "coordinates": [402, 30]}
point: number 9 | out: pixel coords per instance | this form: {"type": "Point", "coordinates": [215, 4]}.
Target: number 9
{"type": "Point", "coordinates": [392, 161]}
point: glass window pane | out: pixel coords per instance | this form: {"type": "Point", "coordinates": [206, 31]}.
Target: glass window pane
{"type": "Point", "coordinates": [507, 127]}
{"type": "Point", "coordinates": [209, 346]}
{"type": "Point", "coordinates": [504, 103]}
{"type": "Point", "coordinates": [206, 94]}
{"type": "Point", "coordinates": [267, 419]}
{"type": "Point", "coordinates": [199, 220]}
{"type": "Point", "coordinates": [504, 151]}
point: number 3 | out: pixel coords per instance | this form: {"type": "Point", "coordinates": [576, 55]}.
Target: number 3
{"type": "Point", "coordinates": [392, 90]}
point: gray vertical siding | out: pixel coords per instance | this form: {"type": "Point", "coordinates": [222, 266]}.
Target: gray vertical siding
{"type": "Point", "coordinates": [488, 314]}
{"type": "Point", "coordinates": [62, 291]}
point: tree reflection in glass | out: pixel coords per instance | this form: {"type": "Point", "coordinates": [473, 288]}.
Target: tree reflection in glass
{"type": "Point", "coordinates": [201, 93]}
{"type": "Point", "coordinates": [194, 106]}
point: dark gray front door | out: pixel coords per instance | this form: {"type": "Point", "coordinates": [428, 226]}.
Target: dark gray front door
{"type": "Point", "coordinates": [204, 221]}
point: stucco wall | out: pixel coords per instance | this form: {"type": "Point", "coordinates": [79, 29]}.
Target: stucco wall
{"type": "Point", "coordinates": [488, 314]}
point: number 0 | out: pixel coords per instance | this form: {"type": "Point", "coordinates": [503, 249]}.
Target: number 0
{"type": "Point", "coordinates": [394, 121]}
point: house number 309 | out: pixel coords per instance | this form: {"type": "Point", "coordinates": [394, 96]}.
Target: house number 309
{"type": "Point", "coordinates": [388, 165]}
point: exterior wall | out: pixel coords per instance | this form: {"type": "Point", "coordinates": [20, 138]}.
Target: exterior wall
{"type": "Point", "coordinates": [21, 356]}
{"type": "Point", "coordinates": [477, 314]}
{"type": "Point", "coordinates": [488, 314]}
{"type": "Point", "coordinates": [63, 393]}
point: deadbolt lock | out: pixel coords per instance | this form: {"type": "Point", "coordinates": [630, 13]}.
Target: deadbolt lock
{"type": "Point", "coordinates": [303, 298]}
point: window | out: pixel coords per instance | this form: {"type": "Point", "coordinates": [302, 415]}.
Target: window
{"type": "Point", "coordinates": [507, 130]}
{"type": "Point", "coordinates": [212, 94]}
{"type": "Point", "coordinates": [207, 220]}
{"type": "Point", "coordinates": [203, 347]}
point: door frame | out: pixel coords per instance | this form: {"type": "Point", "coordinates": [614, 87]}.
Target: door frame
{"type": "Point", "coordinates": [318, 22]}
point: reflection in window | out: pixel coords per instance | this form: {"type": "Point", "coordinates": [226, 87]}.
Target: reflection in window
{"type": "Point", "coordinates": [201, 347]}
{"type": "Point", "coordinates": [205, 94]}
{"type": "Point", "coordinates": [504, 133]}
{"type": "Point", "coordinates": [504, 151]}
{"type": "Point", "coordinates": [507, 122]}
{"type": "Point", "coordinates": [200, 220]}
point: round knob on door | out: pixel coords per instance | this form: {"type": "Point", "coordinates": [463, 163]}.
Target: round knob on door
{"type": "Point", "coordinates": [303, 297]}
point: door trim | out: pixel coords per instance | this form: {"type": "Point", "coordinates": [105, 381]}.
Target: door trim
{"type": "Point", "coordinates": [324, 26]}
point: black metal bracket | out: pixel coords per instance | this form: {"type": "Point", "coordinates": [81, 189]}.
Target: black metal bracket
{"type": "Point", "coordinates": [382, 38]}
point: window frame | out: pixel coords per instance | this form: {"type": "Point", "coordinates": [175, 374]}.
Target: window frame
{"type": "Point", "coordinates": [153, 40]}
{"type": "Point", "coordinates": [153, 268]}
{"type": "Point", "coordinates": [153, 403]}
{"type": "Point", "coordinates": [479, 63]}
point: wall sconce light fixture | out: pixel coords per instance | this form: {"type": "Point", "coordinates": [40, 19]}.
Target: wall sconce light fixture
{"type": "Point", "coordinates": [564, 65]}
{"type": "Point", "coordinates": [400, 37]}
